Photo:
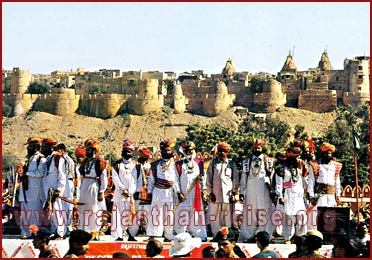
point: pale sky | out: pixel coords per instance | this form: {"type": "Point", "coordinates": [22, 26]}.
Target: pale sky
{"type": "Point", "coordinates": [43, 37]}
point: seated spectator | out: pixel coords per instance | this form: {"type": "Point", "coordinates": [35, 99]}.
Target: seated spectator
{"type": "Point", "coordinates": [300, 247]}
{"type": "Point", "coordinates": [120, 255]}
{"type": "Point", "coordinates": [183, 244]}
{"type": "Point", "coordinates": [78, 243]}
{"type": "Point", "coordinates": [362, 233]}
{"type": "Point", "coordinates": [154, 248]}
{"type": "Point", "coordinates": [40, 241]}
{"type": "Point", "coordinates": [313, 243]}
{"type": "Point", "coordinates": [346, 248]}
{"type": "Point", "coordinates": [263, 240]}
{"type": "Point", "coordinates": [209, 252]}
{"type": "Point", "coordinates": [226, 239]}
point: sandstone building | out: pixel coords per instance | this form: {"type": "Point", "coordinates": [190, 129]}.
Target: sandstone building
{"type": "Point", "coordinates": [107, 93]}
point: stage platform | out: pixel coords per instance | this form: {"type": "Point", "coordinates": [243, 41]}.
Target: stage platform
{"type": "Point", "coordinates": [13, 247]}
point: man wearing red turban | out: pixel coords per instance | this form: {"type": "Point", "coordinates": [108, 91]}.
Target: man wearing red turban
{"type": "Point", "coordinates": [94, 181]}
{"type": "Point", "coordinates": [163, 186]}
{"type": "Point", "coordinates": [191, 171]}
{"type": "Point", "coordinates": [290, 188]}
{"type": "Point", "coordinates": [222, 184]}
{"type": "Point", "coordinates": [324, 186]}
{"type": "Point", "coordinates": [255, 191]}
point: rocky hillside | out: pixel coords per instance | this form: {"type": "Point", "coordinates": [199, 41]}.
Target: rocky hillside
{"type": "Point", "coordinates": [147, 129]}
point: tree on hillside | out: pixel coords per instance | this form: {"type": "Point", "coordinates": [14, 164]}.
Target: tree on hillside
{"type": "Point", "coordinates": [38, 88]}
{"type": "Point", "coordinates": [340, 134]}
{"type": "Point", "coordinates": [275, 133]}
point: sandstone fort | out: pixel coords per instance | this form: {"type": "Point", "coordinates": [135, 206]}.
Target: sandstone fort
{"type": "Point", "coordinates": [110, 92]}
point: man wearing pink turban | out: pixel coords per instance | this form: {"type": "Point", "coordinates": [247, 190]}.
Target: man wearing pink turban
{"type": "Point", "coordinates": [324, 186]}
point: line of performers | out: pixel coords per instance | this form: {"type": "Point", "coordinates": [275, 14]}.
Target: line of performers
{"type": "Point", "coordinates": [168, 196]}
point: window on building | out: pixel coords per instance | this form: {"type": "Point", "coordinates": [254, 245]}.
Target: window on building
{"type": "Point", "coordinates": [360, 76]}
{"type": "Point", "coordinates": [337, 78]}
{"type": "Point", "coordinates": [360, 67]}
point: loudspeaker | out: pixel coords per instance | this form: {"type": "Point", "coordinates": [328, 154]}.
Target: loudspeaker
{"type": "Point", "coordinates": [332, 221]}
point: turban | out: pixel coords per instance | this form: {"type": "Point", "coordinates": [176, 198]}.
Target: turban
{"type": "Point", "coordinates": [79, 236]}
{"type": "Point", "coordinates": [293, 152]}
{"type": "Point", "coordinates": [224, 147]}
{"type": "Point", "coordinates": [325, 147]}
{"type": "Point", "coordinates": [166, 143]}
{"type": "Point", "coordinates": [144, 152]}
{"type": "Point", "coordinates": [282, 155]}
{"type": "Point", "coordinates": [80, 152]}
{"type": "Point", "coordinates": [91, 143]}
{"type": "Point", "coordinates": [187, 145]}
{"type": "Point", "coordinates": [311, 145]}
{"type": "Point", "coordinates": [34, 140]}
{"type": "Point", "coordinates": [258, 142]}
{"type": "Point", "coordinates": [127, 144]}
{"type": "Point", "coordinates": [50, 141]}
{"type": "Point", "coordinates": [226, 233]}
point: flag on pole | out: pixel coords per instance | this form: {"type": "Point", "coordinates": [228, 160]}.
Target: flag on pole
{"type": "Point", "coordinates": [356, 141]}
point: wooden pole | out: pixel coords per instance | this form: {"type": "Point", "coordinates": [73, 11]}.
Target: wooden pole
{"type": "Point", "coordinates": [356, 183]}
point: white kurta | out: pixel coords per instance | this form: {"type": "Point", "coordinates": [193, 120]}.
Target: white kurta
{"type": "Point", "coordinates": [257, 206]}
{"type": "Point", "coordinates": [56, 179]}
{"type": "Point", "coordinates": [125, 179]}
{"type": "Point", "coordinates": [294, 205]}
{"type": "Point", "coordinates": [161, 216]}
{"type": "Point", "coordinates": [90, 214]}
{"type": "Point", "coordinates": [222, 179]}
{"type": "Point", "coordinates": [189, 220]}
{"type": "Point", "coordinates": [30, 210]}
{"type": "Point", "coordinates": [69, 190]}
{"type": "Point", "coordinates": [326, 175]}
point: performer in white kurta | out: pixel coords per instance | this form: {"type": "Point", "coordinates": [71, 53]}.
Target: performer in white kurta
{"type": "Point", "coordinates": [124, 178]}
{"type": "Point", "coordinates": [222, 184]}
{"type": "Point", "coordinates": [190, 213]}
{"type": "Point", "coordinates": [290, 188]}
{"type": "Point", "coordinates": [324, 186]}
{"type": "Point", "coordinates": [31, 194]}
{"type": "Point", "coordinates": [140, 196]}
{"type": "Point", "coordinates": [255, 190]}
{"type": "Point", "coordinates": [93, 184]}
{"type": "Point", "coordinates": [55, 178]}
{"type": "Point", "coordinates": [69, 190]}
{"type": "Point", "coordinates": [163, 185]}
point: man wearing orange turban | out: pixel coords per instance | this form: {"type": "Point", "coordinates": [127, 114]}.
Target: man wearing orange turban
{"type": "Point", "coordinates": [30, 195]}
{"type": "Point", "coordinates": [255, 191]}
{"type": "Point", "coordinates": [142, 176]}
{"type": "Point", "coordinates": [162, 188]}
{"type": "Point", "coordinates": [324, 186]}
{"type": "Point", "coordinates": [222, 181]}
{"type": "Point", "coordinates": [94, 181]}
{"type": "Point", "coordinates": [191, 171]}
{"type": "Point", "coordinates": [56, 177]}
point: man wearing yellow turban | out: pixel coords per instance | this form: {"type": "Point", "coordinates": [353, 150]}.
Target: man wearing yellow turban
{"type": "Point", "coordinates": [30, 192]}
{"type": "Point", "coordinates": [190, 171]}
{"type": "Point", "coordinates": [324, 186]}
{"type": "Point", "coordinates": [163, 187]}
